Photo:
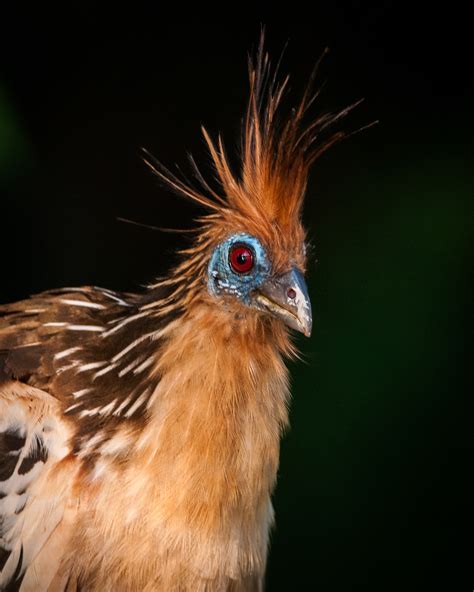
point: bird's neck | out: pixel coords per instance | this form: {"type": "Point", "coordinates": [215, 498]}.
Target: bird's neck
{"type": "Point", "coordinates": [211, 446]}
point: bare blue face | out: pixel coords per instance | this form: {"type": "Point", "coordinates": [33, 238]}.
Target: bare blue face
{"type": "Point", "coordinates": [240, 268]}
{"type": "Point", "coordinates": [224, 278]}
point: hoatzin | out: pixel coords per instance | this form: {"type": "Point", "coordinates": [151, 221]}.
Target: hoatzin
{"type": "Point", "coordinates": [139, 433]}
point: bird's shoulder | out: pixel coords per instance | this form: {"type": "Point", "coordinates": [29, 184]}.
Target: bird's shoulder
{"type": "Point", "coordinates": [94, 350]}
{"type": "Point", "coordinates": [36, 333]}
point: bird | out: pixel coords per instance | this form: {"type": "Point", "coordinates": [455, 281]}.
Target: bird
{"type": "Point", "coordinates": [140, 432]}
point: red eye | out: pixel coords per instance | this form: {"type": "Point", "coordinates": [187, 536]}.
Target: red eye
{"type": "Point", "coordinates": [241, 259]}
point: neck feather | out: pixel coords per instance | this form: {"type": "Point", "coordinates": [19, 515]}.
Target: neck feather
{"type": "Point", "coordinates": [217, 413]}
{"type": "Point", "coordinates": [201, 467]}
{"type": "Point", "coordinates": [211, 445]}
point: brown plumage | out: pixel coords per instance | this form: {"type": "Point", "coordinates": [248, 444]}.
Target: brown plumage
{"type": "Point", "coordinates": [139, 434]}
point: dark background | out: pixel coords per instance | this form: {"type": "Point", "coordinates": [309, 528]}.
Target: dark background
{"type": "Point", "coordinates": [374, 487]}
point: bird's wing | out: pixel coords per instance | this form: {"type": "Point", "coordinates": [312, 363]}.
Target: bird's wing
{"type": "Point", "coordinates": [36, 467]}
{"type": "Point", "coordinates": [35, 478]}
{"type": "Point", "coordinates": [32, 331]}
{"type": "Point", "coordinates": [92, 349]}
{"type": "Point", "coordinates": [69, 379]}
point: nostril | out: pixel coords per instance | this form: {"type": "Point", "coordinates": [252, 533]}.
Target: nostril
{"type": "Point", "coordinates": [291, 293]}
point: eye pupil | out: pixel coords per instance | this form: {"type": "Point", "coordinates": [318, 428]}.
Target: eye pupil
{"type": "Point", "coordinates": [241, 258]}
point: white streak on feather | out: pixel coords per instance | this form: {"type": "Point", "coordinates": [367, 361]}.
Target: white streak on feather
{"type": "Point", "coordinates": [84, 303]}
{"type": "Point", "coordinates": [23, 345]}
{"type": "Point", "coordinates": [89, 412]}
{"type": "Point", "coordinates": [84, 328]}
{"type": "Point", "coordinates": [66, 352]}
{"type": "Point", "coordinates": [122, 405]}
{"type": "Point", "coordinates": [89, 445]}
{"type": "Point", "coordinates": [81, 393]}
{"type": "Point", "coordinates": [54, 324]}
{"type": "Point", "coordinates": [104, 371]}
{"type": "Point", "coordinates": [148, 362]}
{"type": "Point", "coordinates": [167, 305]}
{"type": "Point", "coordinates": [130, 366]}
{"type": "Point", "coordinates": [67, 367]}
{"type": "Point", "coordinates": [107, 408]}
{"type": "Point", "coordinates": [91, 366]}
{"type": "Point", "coordinates": [138, 403]}
{"type": "Point", "coordinates": [123, 323]}
{"type": "Point", "coordinates": [74, 406]}
{"type": "Point", "coordinates": [113, 296]}
{"type": "Point", "coordinates": [133, 344]}
{"type": "Point", "coordinates": [116, 444]}
{"type": "Point", "coordinates": [99, 469]}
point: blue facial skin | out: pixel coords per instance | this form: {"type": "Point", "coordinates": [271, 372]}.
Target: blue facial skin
{"type": "Point", "coordinates": [222, 279]}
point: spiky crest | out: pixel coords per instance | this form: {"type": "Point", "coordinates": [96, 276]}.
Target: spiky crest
{"type": "Point", "coordinates": [276, 155]}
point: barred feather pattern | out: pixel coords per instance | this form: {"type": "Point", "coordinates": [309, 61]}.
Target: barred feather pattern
{"type": "Point", "coordinates": [90, 348]}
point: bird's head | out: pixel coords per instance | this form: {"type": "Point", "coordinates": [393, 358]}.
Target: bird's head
{"type": "Point", "coordinates": [243, 269]}
{"type": "Point", "coordinates": [249, 256]}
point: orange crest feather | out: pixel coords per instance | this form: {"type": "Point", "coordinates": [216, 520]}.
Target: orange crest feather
{"type": "Point", "coordinates": [277, 152]}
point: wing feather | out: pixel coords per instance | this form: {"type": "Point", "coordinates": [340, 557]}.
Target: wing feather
{"type": "Point", "coordinates": [35, 481]}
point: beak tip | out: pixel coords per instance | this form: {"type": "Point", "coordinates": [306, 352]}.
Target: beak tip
{"type": "Point", "coordinates": [306, 330]}
{"type": "Point", "coordinates": [286, 296]}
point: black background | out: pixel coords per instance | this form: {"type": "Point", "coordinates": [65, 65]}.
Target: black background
{"type": "Point", "coordinates": [374, 488]}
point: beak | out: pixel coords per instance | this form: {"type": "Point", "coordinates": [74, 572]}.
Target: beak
{"type": "Point", "coordinates": [286, 297]}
